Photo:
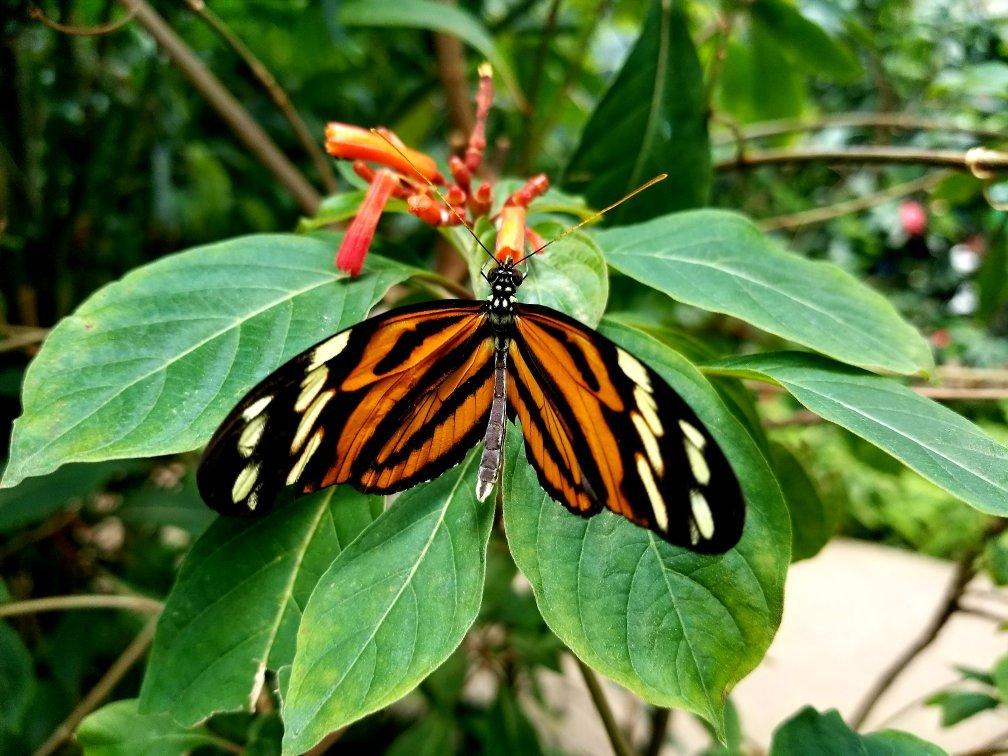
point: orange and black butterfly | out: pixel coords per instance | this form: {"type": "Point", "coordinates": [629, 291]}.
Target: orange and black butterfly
{"type": "Point", "coordinates": [403, 396]}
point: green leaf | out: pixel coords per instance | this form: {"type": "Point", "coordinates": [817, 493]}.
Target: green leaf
{"type": "Point", "coordinates": [653, 119]}
{"type": "Point", "coordinates": [433, 735]}
{"type": "Point", "coordinates": [805, 41]}
{"type": "Point", "coordinates": [759, 82]}
{"type": "Point", "coordinates": [720, 261]}
{"type": "Point", "coordinates": [942, 446]}
{"type": "Point", "coordinates": [433, 16]}
{"type": "Point", "coordinates": [676, 628]}
{"type": "Point", "coordinates": [391, 608]}
{"type": "Point", "coordinates": [341, 207]}
{"type": "Point", "coordinates": [151, 364]}
{"type": "Point", "coordinates": [809, 733]}
{"type": "Point", "coordinates": [996, 559]}
{"type": "Point", "coordinates": [813, 520]}
{"type": "Point", "coordinates": [506, 729]}
{"type": "Point", "coordinates": [17, 678]}
{"type": "Point", "coordinates": [570, 276]}
{"type": "Point", "coordinates": [236, 604]}
{"type": "Point", "coordinates": [118, 729]}
{"type": "Point", "coordinates": [957, 706]}
{"type": "Point", "coordinates": [1000, 678]}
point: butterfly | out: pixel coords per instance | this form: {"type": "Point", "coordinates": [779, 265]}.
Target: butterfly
{"type": "Point", "coordinates": [403, 396]}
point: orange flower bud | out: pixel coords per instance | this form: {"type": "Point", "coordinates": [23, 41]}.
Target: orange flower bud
{"type": "Point", "coordinates": [354, 143]}
{"type": "Point", "coordinates": [426, 209]}
{"type": "Point", "coordinates": [357, 241]}
{"type": "Point", "coordinates": [481, 200]}
{"type": "Point", "coordinates": [534, 187]}
{"type": "Point", "coordinates": [511, 234]}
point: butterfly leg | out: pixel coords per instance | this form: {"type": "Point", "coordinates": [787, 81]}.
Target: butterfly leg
{"type": "Point", "coordinates": [493, 441]}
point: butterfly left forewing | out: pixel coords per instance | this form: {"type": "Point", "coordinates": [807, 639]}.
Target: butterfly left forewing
{"type": "Point", "coordinates": [641, 451]}
{"type": "Point", "coordinates": [393, 401]}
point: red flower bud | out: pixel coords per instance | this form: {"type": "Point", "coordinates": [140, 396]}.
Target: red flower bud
{"type": "Point", "coordinates": [357, 241]}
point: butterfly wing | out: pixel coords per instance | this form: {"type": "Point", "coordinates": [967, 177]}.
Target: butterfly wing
{"type": "Point", "coordinates": [603, 429]}
{"type": "Point", "coordinates": [388, 403]}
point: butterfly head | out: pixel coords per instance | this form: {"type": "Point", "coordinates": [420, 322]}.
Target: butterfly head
{"type": "Point", "coordinates": [504, 281]}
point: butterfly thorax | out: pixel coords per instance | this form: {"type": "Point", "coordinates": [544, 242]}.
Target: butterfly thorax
{"type": "Point", "coordinates": [504, 281]}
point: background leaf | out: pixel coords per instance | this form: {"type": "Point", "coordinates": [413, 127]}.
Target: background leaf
{"type": "Point", "coordinates": [941, 445]}
{"type": "Point", "coordinates": [804, 40]}
{"type": "Point", "coordinates": [810, 733]}
{"type": "Point", "coordinates": [653, 119]}
{"type": "Point", "coordinates": [151, 364]}
{"type": "Point", "coordinates": [676, 628]}
{"type": "Point", "coordinates": [720, 261]}
{"type": "Point", "coordinates": [118, 729]}
{"type": "Point", "coordinates": [435, 16]}
{"type": "Point", "coordinates": [813, 519]}
{"type": "Point", "coordinates": [236, 604]}
{"type": "Point", "coordinates": [391, 608]}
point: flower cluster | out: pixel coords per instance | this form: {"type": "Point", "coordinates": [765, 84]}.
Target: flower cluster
{"type": "Point", "coordinates": [394, 170]}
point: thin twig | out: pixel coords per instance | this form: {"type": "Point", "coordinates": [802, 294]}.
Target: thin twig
{"type": "Point", "coordinates": [274, 90]}
{"type": "Point", "coordinates": [133, 653]}
{"type": "Point", "coordinates": [227, 106]}
{"type": "Point", "coordinates": [900, 121]}
{"type": "Point", "coordinates": [828, 212]}
{"type": "Point", "coordinates": [93, 601]}
{"type": "Point", "coordinates": [616, 739]}
{"type": "Point", "coordinates": [426, 278]}
{"type": "Point", "coordinates": [979, 162]}
{"type": "Point", "coordinates": [660, 718]}
{"type": "Point", "coordinates": [19, 337]}
{"type": "Point", "coordinates": [79, 31]}
{"type": "Point", "coordinates": [964, 573]}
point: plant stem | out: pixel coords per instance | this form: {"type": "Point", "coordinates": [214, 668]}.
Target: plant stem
{"type": "Point", "coordinates": [78, 31]}
{"type": "Point", "coordinates": [901, 121]}
{"type": "Point", "coordinates": [979, 161]}
{"type": "Point", "coordinates": [227, 106]}
{"type": "Point", "coordinates": [95, 601]}
{"type": "Point", "coordinates": [616, 739]}
{"type": "Point", "coordinates": [452, 73]}
{"type": "Point", "coordinates": [274, 90]}
{"type": "Point", "coordinates": [828, 212]}
{"type": "Point", "coordinates": [133, 653]}
{"type": "Point", "coordinates": [660, 718]}
{"type": "Point", "coordinates": [531, 115]}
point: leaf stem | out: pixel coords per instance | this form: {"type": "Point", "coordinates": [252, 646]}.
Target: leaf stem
{"type": "Point", "coordinates": [93, 601]}
{"type": "Point", "coordinates": [250, 133]}
{"type": "Point", "coordinates": [979, 161]}
{"type": "Point", "coordinates": [660, 718]}
{"type": "Point", "coordinates": [274, 90]}
{"type": "Point", "coordinates": [130, 656]}
{"type": "Point", "coordinates": [616, 739]}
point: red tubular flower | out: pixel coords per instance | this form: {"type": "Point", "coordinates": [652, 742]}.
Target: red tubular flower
{"type": "Point", "coordinates": [357, 240]}
{"type": "Point", "coordinates": [477, 139]}
{"type": "Point", "coordinates": [511, 234]}
{"type": "Point", "coordinates": [534, 187]}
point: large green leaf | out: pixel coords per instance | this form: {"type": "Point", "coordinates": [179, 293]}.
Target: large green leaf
{"type": "Point", "coordinates": [151, 364]}
{"type": "Point", "coordinates": [434, 16]}
{"type": "Point", "coordinates": [676, 628]}
{"type": "Point", "coordinates": [804, 40]}
{"type": "Point", "coordinates": [720, 261]}
{"type": "Point", "coordinates": [237, 603]}
{"type": "Point", "coordinates": [942, 446]}
{"type": "Point", "coordinates": [390, 609]}
{"type": "Point", "coordinates": [809, 733]}
{"type": "Point", "coordinates": [17, 678]}
{"type": "Point", "coordinates": [959, 705]}
{"type": "Point", "coordinates": [653, 119]}
{"type": "Point", "coordinates": [759, 82]}
{"type": "Point", "coordinates": [118, 729]}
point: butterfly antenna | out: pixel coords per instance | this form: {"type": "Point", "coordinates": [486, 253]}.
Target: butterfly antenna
{"type": "Point", "coordinates": [595, 216]}
{"type": "Point", "coordinates": [458, 216]}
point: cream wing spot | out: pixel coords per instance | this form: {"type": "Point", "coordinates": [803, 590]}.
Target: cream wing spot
{"type": "Point", "coordinates": [306, 455]}
{"type": "Point", "coordinates": [329, 349]}
{"type": "Point", "coordinates": [634, 370]}
{"type": "Point", "coordinates": [698, 464]}
{"type": "Point", "coordinates": [250, 435]}
{"type": "Point", "coordinates": [310, 386]}
{"type": "Point", "coordinates": [253, 501]}
{"type": "Point", "coordinates": [701, 513]}
{"type": "Point", "coordinates": [649, 409]}
{"type": "Point", "coordinates": [310, 416]}
{"type": "Point", "coordinates": [256, 407]}
{"type": "Point", "coordinates": [245, 482]}
{"type": "Point", "coordinates": [654, 496]}
{"type": "Point", "coordinates": [696, 437]}
{"type": "Point", "coordinates": [650, 442]}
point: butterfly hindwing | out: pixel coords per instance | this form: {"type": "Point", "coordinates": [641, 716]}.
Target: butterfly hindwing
{"type": "Point", "coordinates": [603, 429]}
{"type": "Point", "coordinates": [395, 400]}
